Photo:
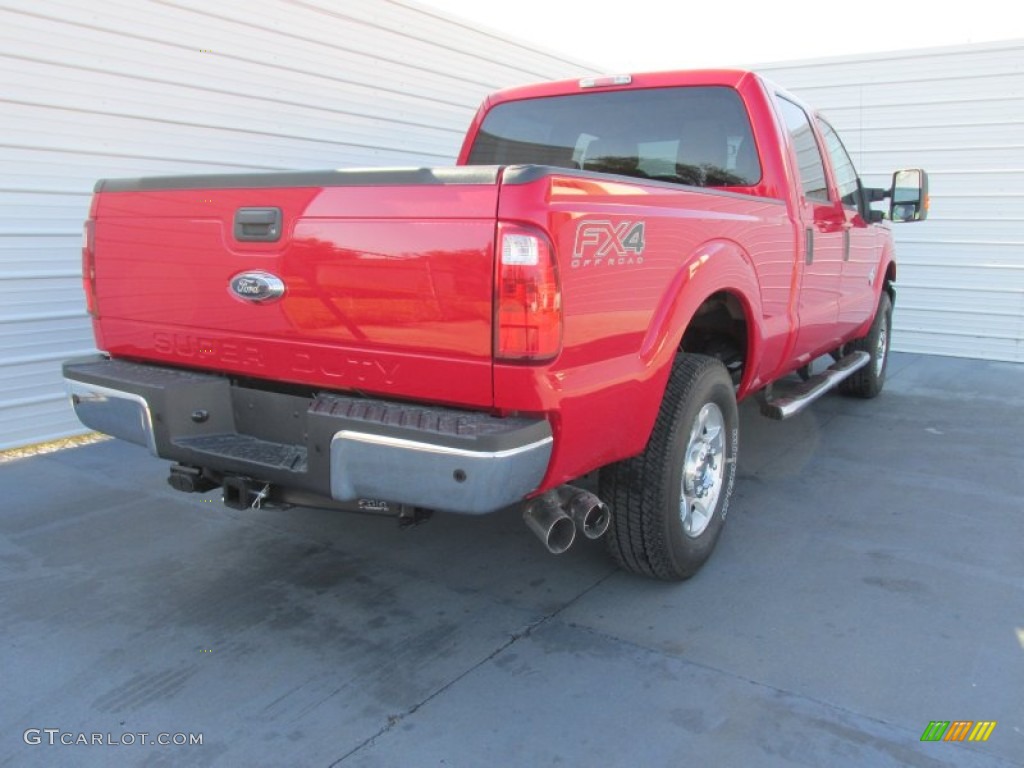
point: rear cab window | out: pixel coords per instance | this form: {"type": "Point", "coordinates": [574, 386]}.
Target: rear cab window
{"type": "Point", "coordinates": [694, 135]}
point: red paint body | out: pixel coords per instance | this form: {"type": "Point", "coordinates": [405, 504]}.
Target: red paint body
{"type": "Point", "coordinates": [390, 289]}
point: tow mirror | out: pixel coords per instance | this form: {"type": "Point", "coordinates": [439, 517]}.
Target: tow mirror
{"type": "Point", "coordinates": [909, 195]}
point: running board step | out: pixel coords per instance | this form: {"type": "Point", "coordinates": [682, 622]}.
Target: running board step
{"type": "Point", "coordinates": [785, 401]}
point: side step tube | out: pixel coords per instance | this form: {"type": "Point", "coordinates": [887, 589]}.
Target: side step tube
{"type": "Point", "coordinates": [794, 400]}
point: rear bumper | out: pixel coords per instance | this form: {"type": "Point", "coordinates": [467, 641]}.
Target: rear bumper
{"type": "Point", "coordinates": [340, 447]}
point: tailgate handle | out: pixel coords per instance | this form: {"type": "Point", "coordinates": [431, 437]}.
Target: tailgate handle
{"type": "Point", "coordinates": [258, 225]}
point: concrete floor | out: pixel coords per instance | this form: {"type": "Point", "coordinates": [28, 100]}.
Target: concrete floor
{"type": "Point", "coordinates": [870, 580]}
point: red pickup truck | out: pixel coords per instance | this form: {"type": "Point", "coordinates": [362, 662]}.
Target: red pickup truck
{"type": "Point", "coordinates": [611, 266]}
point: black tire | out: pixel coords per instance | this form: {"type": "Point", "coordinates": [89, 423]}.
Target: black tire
{"type": "Point", "coordinates": [869, 380]}
{"type": "Point", "coordinates": [649, 532]}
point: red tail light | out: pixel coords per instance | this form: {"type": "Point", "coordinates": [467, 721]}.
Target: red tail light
{"type": "Point", "coordinates": [528, 301]}
{"type": "Point", "coordinates": [89, 265]}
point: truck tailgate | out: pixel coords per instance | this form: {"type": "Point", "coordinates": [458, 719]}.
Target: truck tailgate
{"type": "Point", "coordinates": [387, 277]}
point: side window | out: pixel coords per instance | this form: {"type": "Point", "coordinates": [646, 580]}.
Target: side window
{"type": "Point", "coordinates": [808, 153]}
{"type": "Point", "coordinates": [846, 174]}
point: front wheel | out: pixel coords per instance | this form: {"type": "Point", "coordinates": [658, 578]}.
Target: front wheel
{"type": "Point", "coordinates": [869, 380]}
{"type": "Point", "coordinates": [669, 503]}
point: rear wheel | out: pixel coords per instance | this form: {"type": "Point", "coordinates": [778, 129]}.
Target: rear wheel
{"type": "Point", "coordinates": [869, 380]}
{"type": "Point", "coordinates": [669, 503]}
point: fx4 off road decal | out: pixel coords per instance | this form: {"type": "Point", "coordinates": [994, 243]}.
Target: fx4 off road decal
{"type": "Point", "coordinates": [601, 243]}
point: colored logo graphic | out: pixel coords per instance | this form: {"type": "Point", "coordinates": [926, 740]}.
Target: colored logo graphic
{"type": "Point", "coordinates": [958, 730]}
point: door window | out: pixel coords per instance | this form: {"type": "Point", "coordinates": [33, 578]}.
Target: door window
{"type": "Point", "coordinates": [808, 153]}
{"type": "Point", "coordinates": [842, 165]}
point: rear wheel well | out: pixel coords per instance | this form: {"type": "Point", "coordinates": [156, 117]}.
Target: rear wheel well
{"type": "Point", "coordinates": [719, 329]}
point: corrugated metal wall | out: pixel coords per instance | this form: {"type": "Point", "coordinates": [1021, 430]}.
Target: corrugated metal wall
{"type": "Point", "coordinates": [958, 113]}
{"type": "Point", "coordinates": [129, 88]}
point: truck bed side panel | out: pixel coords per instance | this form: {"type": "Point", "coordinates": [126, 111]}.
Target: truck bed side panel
{"type": "Point", "coordinates": [604, 391]}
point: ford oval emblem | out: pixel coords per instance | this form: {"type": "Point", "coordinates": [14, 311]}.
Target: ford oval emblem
{"type": "Point", "coordinates": [257, 286]}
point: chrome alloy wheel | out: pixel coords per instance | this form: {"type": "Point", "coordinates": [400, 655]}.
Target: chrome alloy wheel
{"type": "Point", "coordinates": [883, 344]}
{"type": "Point", "coordinates": [703, 471]}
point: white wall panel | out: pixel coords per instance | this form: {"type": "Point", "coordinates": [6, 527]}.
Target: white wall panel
{"type": "Point", "coordinates": [144, 87]}
{"type": "Point", "coordinates": [958, 113]}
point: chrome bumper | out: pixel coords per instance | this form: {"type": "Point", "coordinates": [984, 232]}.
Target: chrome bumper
{"type": "Point", "coordinates": [113, 412]}
{"type": "Point", "coordinates": [335, 446]}
{"type": "Point", "coordinates": [375, 466]}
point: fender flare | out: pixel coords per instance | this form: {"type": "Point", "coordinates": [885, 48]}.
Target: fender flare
{"type": "Point", "coordinates": [884, 280]}
{"type": "Point", "coordinates": [889, 271]}
{"type": "Point", "coordinates": [716, 266]}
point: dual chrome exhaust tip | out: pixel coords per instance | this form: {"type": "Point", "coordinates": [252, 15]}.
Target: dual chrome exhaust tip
{"type": "Point", "coordinates": [555, 517]}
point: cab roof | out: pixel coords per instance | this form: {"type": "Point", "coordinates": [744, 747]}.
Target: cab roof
{"type": "Point", "coordinates": [723, 77]}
